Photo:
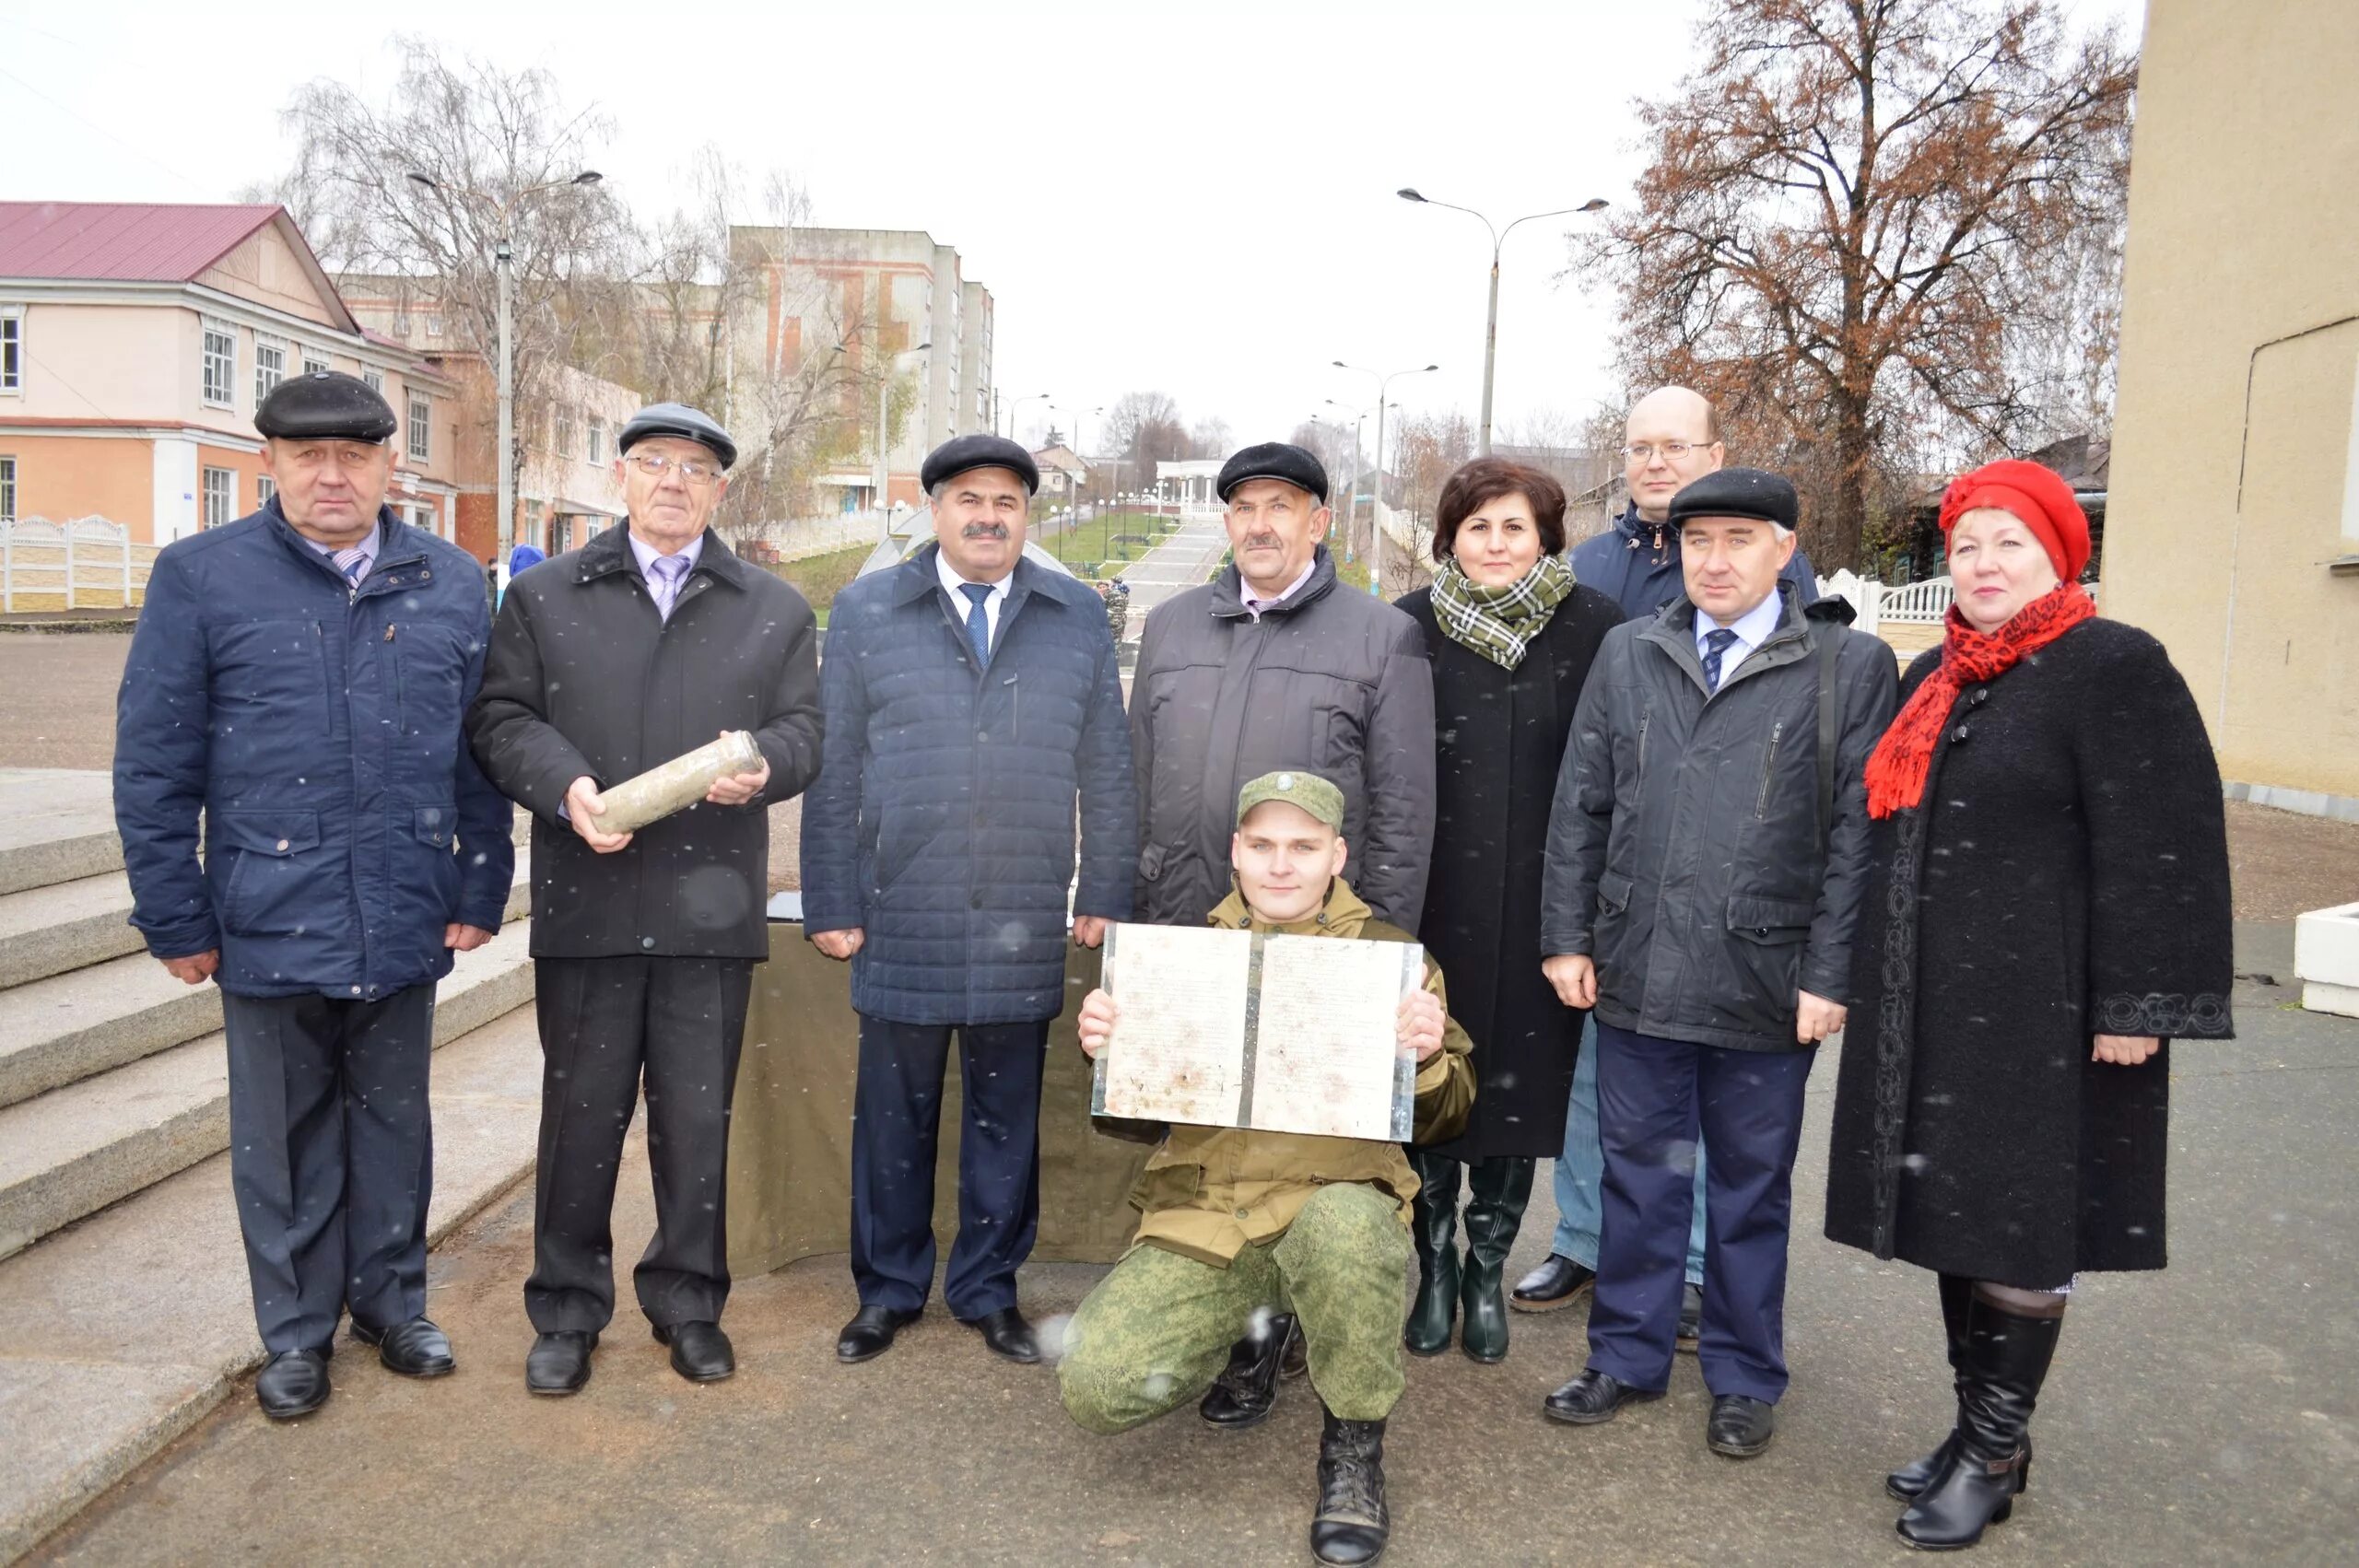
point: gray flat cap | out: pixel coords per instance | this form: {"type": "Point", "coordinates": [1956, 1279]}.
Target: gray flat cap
{"type": "Point", "coordinates": [679, 419]}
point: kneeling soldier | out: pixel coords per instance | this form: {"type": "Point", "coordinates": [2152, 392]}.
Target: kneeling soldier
{"type": "Point", "coordinates": [1236, 1225]}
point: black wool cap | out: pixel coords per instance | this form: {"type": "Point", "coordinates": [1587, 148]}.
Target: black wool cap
{"type": "Point", "coordinates": [1273, 460]}
{"type": "Point", "coordinates": [325, 405]}
{"type": "Point", "coordinates": [1752, 492]}
{"type": "Point", "coordinates": [960, 453]}
{"type": "Point", "coordinates": [687, 424]}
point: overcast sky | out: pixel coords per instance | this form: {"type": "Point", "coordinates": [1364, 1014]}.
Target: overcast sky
{"type": "Point", "coordinates": [1194, 198]}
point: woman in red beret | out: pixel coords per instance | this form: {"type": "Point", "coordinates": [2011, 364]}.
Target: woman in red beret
{"type": "Point", "coordinates": [2048, 906]}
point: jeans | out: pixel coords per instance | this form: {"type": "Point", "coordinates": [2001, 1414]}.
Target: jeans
{"type": "Point", "coordinates": [1580, 1174]}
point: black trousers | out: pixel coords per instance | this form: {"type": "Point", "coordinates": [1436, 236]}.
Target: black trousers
{"type": "Point", "coordinates": [330, 1158]}
{"type": "Point", "coordinates": [897, 1120]}
{"type": "Point", "coordinates": [607, 1025]}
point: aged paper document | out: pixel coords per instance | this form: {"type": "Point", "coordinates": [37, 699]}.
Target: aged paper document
{"type": "Point", "coordinates": [1178, 1052]}
{"type": "Point", "coordinates": [1279, 1033]}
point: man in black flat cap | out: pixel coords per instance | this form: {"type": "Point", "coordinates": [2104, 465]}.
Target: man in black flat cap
{"type": "Point", "coordinates": [299, 677]}
{"type": "Point", "coordinates": [1707, 860]}
{"type": "Point", "coordinates": [1272, 666]}
{"type": "Point", "coordinates": [646, 643]}
{"type": "Point", "coordinates": [971, 697]}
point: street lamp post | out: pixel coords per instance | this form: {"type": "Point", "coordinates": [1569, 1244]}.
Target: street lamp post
{"type": "Point", "coordinates": [1375, 502]}
{"type": "Point", "coordinates": [884, 400]}
{"type": "Point", "coordinates": [1491, 330]}
{"type": "Point", "coordinates": [502, 255]}
{"type": "Point", "coordinates": [1028, 397]}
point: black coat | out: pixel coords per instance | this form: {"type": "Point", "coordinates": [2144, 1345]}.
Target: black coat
{"type": "Point", "coordinates": [2067, 876]}
{"type": "Point", "coordinates": [585, 676]}
{"type": "Point", "coordinates": [1498, 736]}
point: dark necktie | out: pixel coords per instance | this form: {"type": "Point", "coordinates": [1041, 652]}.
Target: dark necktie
{"type": "Point", "coordinates": [1717, 643]}
{"type": "Point", "coordinates": [979, 620]}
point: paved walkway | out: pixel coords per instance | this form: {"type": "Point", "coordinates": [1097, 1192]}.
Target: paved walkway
{"type": "Point", "coordinates": [2208, 1414]}
{"type": "Point", "coordinates": [1180, 562]}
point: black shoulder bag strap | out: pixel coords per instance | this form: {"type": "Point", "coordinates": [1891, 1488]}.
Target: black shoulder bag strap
{"type": "Point", "coordinates": [1830, 642]}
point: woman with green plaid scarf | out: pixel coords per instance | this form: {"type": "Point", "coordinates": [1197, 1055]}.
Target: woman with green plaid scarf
{"type": "Point", "coordinates": [1511, 636]}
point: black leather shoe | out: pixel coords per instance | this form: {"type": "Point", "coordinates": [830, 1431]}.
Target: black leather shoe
{"type": "Point", "coordinates": [1006, 1334]}
{"type": "Point", "coordinates": [870, 1332]}
{"type": "Point", "coordinates": [1559, 1281]}
{"type": "Point", "coordinates": [1351, 1523]}
{"type": "Point", "coordinates": [292, 1383]}
{"type": "Point", "coordinates": [1691, 1319]}
{"type": "Point", "coordinates": [1245, 1390]}
{"type": "Point", "coordinates": [559, 1363]}
{"type": "Point", "coordinates": [1594, 1397]}
{"type": "Point", "coordinates": [700, 1351]}
{"type": "Point", "coordinates": [414, 1349]}
{"type": "Point", "coordinates": [1741, 1426]}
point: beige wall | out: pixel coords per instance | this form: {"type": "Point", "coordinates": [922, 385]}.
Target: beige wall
{"type": "Point", "coordinates": [103, 362]}
{"type": "Point", "coordinates": [267, 270]}
{"type": "Point", "coordinates": [2244, 226]}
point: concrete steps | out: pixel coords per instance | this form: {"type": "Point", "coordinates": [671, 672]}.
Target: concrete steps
{"type": "Point", "coordinates": [56, 827]}
{"type": "Point", "coordinates": [47, 930]}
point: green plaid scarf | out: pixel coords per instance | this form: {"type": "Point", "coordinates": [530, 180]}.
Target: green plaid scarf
{"type": "Point", "coordinates": [1499, 623]}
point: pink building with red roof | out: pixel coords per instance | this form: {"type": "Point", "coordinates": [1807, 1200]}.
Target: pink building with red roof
{"type": "Point", "coordinates": [136, 342]}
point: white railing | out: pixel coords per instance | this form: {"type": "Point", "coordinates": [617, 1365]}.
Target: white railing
{"type": "Point", "coordinates": [86, 564]}
{"type": "Point", "coordinates": [1921, 601]}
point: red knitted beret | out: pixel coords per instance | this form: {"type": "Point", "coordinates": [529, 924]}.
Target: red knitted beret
{"type": "Point", "coordinates": [2038, 497]}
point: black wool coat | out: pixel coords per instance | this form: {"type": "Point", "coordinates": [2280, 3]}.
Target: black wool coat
{"type": "Point", "coordinates": [586, 677]}
{"type": "Point", "coordinates": [2066, 875]}
{"type": "Point", "coordinates": [1500, 735]}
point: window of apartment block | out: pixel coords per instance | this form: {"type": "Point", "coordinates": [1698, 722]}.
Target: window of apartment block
{"type": "Point", "coordinates": [421, 424]}
{"type": "Point", "coordinates": [7, 490]}
{"type": "Point", "coordinates": [596, 450]}
{"type": "Point", "coordinates": [221, 497]}
{"type": "Point", "coordinates": [564, 431]}
{"type": "Point", "coordinates": [12, 348]}
{"type": "Point", "coordinates": [314, 361]}
{"type": "Point", "coordinates": [269, 365]}
{"type": "Point", "coordinates": [220, 363]}
{"type": "Point", "coordinates": [264, 488]}
{"type": "Point", "coordinates": [376, 379]}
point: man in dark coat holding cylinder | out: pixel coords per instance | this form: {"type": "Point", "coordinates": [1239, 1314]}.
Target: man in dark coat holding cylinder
{"type": "Point", "coordinates": [607, 661]}
{"type": "Point", "coordinates": [299, 676]}
{"type": "Point", "coordinates": [1706, 857]}
{"type": "Point", "coordinates": [971, 697]}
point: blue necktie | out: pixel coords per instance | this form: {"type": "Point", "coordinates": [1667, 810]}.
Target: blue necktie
{"type": "Point", "coordinates": [978, 621]}
{"type": "Point", "coordinates": [1717, 643]}
{"type": "Point", "coordinates": [352, 563]}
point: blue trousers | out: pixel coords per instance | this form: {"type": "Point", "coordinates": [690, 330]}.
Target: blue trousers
{"type": "Point", "coordinates": [897, 1120]}
{"type": "Point", "coordinates": [1580, 1174]}
{"type": "Point", "coordinates": [1655, 1098]}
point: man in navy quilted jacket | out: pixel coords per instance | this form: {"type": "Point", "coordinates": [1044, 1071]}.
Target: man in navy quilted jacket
{"type": "Point", "coordinates": [298, 677]}
{"type": "Point", "coordinates": [971, 695]}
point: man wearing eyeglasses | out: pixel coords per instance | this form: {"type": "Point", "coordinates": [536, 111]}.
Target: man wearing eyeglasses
{"type": "Point", "coordinates": [1673, 439]}
{"type": "Point", "coordinates": [649, 641]}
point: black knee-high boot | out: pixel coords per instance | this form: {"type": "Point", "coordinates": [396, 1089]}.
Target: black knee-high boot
{"type": "Point", "coordinates": [1433, 1226]}
{"type": "Point", "coordinates": [2007, 1358]}
{"type": "Point", "coordinates": [1498, 1190]}
{"type": "Point", "coordinates": [1906, 1482]}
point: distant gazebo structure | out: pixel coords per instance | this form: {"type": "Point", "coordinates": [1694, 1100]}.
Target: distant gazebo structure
{"type": "Point", "coordinates": [1193, 482]}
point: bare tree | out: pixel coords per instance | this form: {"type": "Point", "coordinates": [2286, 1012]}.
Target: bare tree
{"type": "Point", "coordinates": [1873, 230]}
{"type": "Point", "coordinates": [1209, 437]}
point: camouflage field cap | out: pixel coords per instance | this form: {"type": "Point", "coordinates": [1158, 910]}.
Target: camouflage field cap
{"type": "Point", "coordinates": [1306, 791]}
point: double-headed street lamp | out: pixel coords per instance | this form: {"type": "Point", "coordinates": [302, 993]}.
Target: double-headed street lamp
{"type": "Point", "coordinates": [1498, 238]}
{"type": "Point", "coordinates": [1376, 508]}
{"type": "Point", "coordinates": [1028, 397]}
{"type": "Point", "coordinates": [502, 255]}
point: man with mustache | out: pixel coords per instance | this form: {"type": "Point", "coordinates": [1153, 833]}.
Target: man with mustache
{"type": "Point", "coordinates": [1273, 666]}
{"type": "Point", "coordinates": [971, 696]}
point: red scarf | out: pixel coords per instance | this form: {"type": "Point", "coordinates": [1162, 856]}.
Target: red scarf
{"type": "Point", "coordinates": [1904, 758]}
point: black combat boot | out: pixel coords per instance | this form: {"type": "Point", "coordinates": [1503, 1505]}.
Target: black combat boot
{"type": "Point", "coordinates": [1351, 1525]}
{"type": "Point", "coordinates": [1499, 1190]}
{"type": "Point", "coordinates": [1242, 1395]}
{"type": "Point", "coordinates": [2006, 1360]}
{"type": "Point", "coordinates": [1433, 1226]}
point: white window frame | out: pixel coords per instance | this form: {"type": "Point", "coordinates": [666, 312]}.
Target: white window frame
{"type": "Point", "coordinates": [563, 433]}
{"type": "Point", "coordinates": [593, 449]}
{"type": "Point", "coordinates": [221, 393]}
{"type": "Point", "coordinates": [11, 350]}
{"type": "Point", "coordinates": [7, 490]}
{"type": "Point", "coordinates": [374, 378]}
{"type": "Point", "coordinates": [226, 491]}
{"type": "Point", "coordinates": [268, 380]}
{"type": "Point", "coordinates": [264, 488]}
{"type": "Point", "coordinates": [420, 434]}
{"type": "Point", "coordinates": [310, 361]}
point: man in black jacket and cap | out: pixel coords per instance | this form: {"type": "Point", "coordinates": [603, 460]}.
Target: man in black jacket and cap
{"type": "Point", "coordinates": [646, 643]}
{"type": "Point", "coordinates": [1706, 862]}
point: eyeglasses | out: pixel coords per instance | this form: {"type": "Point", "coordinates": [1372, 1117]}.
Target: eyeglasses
{"type": "Point", "coordinates": [1643, 451]}
{"type": "Point", "coordinates": [691, 471]}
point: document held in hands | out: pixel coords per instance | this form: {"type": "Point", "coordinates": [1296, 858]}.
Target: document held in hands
{"type": "Point", "coordinates": [1279, 1033]}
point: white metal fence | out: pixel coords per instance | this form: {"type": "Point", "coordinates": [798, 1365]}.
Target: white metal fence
{"type": "Point", "coordinates": [86, 564]}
